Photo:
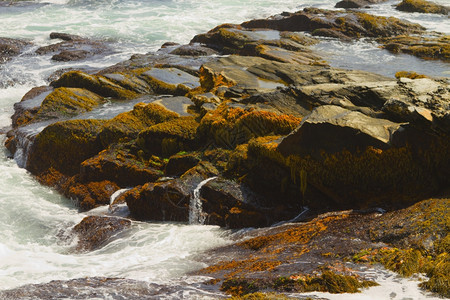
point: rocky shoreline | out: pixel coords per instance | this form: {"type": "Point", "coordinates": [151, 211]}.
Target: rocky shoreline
{"type": "Point", "coordinates": [277, 132]}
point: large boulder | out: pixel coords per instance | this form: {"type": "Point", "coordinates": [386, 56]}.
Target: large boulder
{"type": "Point", "coordinates": [352, 160]}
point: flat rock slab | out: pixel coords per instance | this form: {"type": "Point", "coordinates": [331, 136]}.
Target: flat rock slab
{"type": "Point", "coordinates": [332, 129]}
{"type": "Point", "coordinates": [178, 105]}
{"type": "Point", "coordinates": [170, 81]}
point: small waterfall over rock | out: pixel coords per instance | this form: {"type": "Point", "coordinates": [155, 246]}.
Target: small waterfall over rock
{"type": "Point", "coordinates": [196, 215]}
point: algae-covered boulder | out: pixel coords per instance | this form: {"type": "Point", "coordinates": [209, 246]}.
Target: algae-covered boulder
{"type": "Point", "coordinates": [350, 24]}
{"type": "Point", "coordinates": [230, 125]}
{"type": "Point", "coordinates": [67, 102]}
{"type": "Point", "coordinates": [422, 6]}
{"type": "Point", "coordinates": [90, 195]}
{"type": "Point", "coordinates": [180, 163]}
{"type": "Point", "coordinates": [170, 137]}
{"type": "Point", "coordinates": [26, 109]}
{"type": "Point", "coordinates": [121, 166]}
{"type": "Point", "coordinates": [94, 232]}
{"type": "Point", "coordinates": [127, 125]}
{"type": "Point", "coordinates": [94, 83]}
{"type": "Point", "coordinates": [271, 44]}
{"type": "Point", "coordinates": [352, 161]}
{"type": "Point", "coordinates": [64, 145]}
{"type": "Point", "coordinates": [434, 46]}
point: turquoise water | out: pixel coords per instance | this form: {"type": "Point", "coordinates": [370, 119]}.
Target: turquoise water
{"type": "Point", "coordinates": [32, 216]}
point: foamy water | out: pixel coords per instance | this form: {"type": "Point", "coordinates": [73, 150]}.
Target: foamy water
{"type": "Point", "coordinates": [32, 216]}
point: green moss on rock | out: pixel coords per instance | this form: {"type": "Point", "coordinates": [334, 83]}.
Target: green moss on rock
{"type": "Point", "coordinates": [422, 6]}
{"type": "Point", "coordinates": [94, 83]}
{"type": "Point", "coordinates": [168, 138]}
{"type": "Point", "coordinates": [64, 145]}
{"type": "Point", "coordinates": [126, 126]}
{"type": "Point", "coordinates": [67, 102]}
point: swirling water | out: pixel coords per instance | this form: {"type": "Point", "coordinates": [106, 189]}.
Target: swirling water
{"type": "Point", "coordinates": [32, 216]}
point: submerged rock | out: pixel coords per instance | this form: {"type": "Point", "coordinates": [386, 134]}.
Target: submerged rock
{"type": "Point", "coordinates": [94, 232]}
{"type": "Point", "coordinates": [11, 47]}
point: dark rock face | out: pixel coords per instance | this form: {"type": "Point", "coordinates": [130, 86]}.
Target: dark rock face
{"type": "Point", "coordinates": [165, 201]}
{"type": "Point", "coordinates": [94, 231]}
{"type": "Point", "coordinates": [232, 205]}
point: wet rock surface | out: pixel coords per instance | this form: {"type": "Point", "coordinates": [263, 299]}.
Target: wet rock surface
{"type": "Point", "coordinates": [286, 136]}
{"type": "Point", "coordinates": [73, 47]}
{"type": "Point", "coordinates": [93, 232]}
{"type": "Point", "coordinates": [102, 287]}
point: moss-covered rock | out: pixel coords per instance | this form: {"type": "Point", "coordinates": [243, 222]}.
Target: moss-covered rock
{"type": "Point", "coordinates": [67, 102]}
{"type": "Point", "coordinates": [163, 201]}
{"type": "Point", "coordinates": [170, 137]}
{"type": "Point", "coordinates": [436, 46]}
{"type": "Point", "coordinates": [422, 6]}
{"type": "Point", "coordinates": [230, 125]}
{"type": "Point", "coordinates": [350, 24]}
{"type": "Point", "coordinates": [64, 145]}
{"type": "Point", "coordinates": [94, 83]}
{"type": "Point", "coordinates": [126, 126]}
{"type": "Point", "coordinates": [121, 166]}
{"type": "Point", "coordinates": [90, 195]}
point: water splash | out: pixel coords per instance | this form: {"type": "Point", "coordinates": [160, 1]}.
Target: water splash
{"type": "Point", "coordinates": [196, 215]}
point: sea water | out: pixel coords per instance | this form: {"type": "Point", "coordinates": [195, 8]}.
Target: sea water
{"type": "Point", "coordinates": [33, 217]}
